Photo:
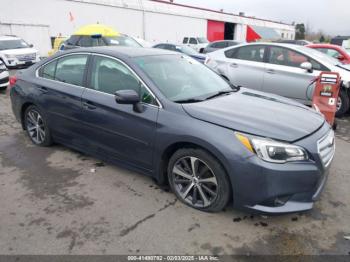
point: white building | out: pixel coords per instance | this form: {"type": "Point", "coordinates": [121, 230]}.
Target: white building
{"type": "Point", "coordinates": [37, 21]}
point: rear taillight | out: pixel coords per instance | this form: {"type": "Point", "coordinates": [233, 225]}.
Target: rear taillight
{"type": "Point", "coordinates": [13, 80]}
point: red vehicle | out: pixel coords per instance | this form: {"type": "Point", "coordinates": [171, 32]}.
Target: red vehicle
{"type": "Point", "coordinates": [334, 51]}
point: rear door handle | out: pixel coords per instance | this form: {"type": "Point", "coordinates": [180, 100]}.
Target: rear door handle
{"type": "Point", "coordinates": [270, 71]}
{"type": "Point", "coordinates": [89, 105]}
{"type": "Point", "coordinates": [43, 89]}
{"type": "Point", "coordinates": [234, 65]}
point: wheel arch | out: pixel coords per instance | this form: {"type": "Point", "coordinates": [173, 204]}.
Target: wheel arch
{"type": "Point", "coordinates": [23, 110]}
{"type": "Point", "coordinates": [162, 176]}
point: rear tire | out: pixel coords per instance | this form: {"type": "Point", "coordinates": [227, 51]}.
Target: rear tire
{"type": "Point", "coordinates": [343, 103]}
{"type": "Point", "coordinates": [207, 188]}
{"type": "Point", "coordinates": [36, 126]}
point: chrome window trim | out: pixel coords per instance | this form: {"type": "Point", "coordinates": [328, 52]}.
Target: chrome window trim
{"type": "Point", "coordinates": [108, 56]}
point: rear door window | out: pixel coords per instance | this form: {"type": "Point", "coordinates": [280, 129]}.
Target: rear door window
{"type": "Point", "coordinates": [70, 69]}
{"type": "Point", "coordinates": [48, 70]}
{"type": "Point", "coordinates": [250, 53]}
{"type": "Point", "coordinates": [185, 40]}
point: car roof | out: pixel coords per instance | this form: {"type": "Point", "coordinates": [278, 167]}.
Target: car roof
{"type": "Point", "coordinates": [122, 51]}
{"type": "Point", "coordinates": [8, 37]}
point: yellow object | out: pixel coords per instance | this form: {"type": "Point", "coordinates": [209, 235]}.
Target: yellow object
{"type": "Point", "coordinates": [96, 29]}
{"type": "Point", "coordinates": [245, 141]}
{"type": "Point", "coordinates": [56, 44]}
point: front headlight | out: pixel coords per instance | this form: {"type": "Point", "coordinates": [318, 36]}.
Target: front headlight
{"type": "Point", "coordinates": [272, 151]}
{"type": "Point", "coordinates": [9, 56]}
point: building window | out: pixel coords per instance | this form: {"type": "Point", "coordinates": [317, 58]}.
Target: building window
{"type": "Point", "coordinates": [282, 35]}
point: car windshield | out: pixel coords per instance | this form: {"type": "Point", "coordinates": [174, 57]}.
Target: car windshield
{"type": "Point", "coordinates": [202, 40]}
{"type": "Point", "coordinates": [122, 40]}
{"type": "Point", "coordinates": [13, 44]}
{"type": "Point", "coordinates": [187, 50]}
{"type": "Point", "coordinates": [182, 78]}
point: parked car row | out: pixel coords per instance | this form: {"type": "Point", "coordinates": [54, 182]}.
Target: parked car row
{"type": "Point", "coordinates": [168, 116]}
{"type": "Point", "coordinates": [282, 69]}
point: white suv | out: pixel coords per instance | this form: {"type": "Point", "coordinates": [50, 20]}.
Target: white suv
{"type": "Point", "coordinates": [4, 77]}
{"type": "Point", "coordinates": [15, 52]}
{"type": "Point", "coordinates": [197, 43]}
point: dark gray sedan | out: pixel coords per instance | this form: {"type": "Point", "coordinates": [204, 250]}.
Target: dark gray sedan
{"type": "Point", "coordinates": [170, 117]}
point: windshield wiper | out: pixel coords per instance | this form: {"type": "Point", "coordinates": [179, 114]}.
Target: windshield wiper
{"type": "Point", "coordinates": [220, 93]}
{"type": "Point", "coordinates": [190, 100]}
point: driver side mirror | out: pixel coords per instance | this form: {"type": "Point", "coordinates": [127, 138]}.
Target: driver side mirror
{"type": "Point", "coordinates": [31, 45]}
{"type": "Point", "coordinates": [129, 97]}
{"type": "Point", "coordinates": [307, 66]}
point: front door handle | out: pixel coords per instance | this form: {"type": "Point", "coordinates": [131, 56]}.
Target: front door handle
{"type": "Point", "coordinates": [270, 71]}
{"type": "Point", "coordinates": [89, 105]}
{"type": "Point", "coordinates": [234, 65]}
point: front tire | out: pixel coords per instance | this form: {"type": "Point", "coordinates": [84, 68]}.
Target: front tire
{"type": "Point", "coordinates": [199, 180]}
{"type": "Point", "coordinates": [342, 103]}
{"type": "Point", "coordinates": [36, 127]}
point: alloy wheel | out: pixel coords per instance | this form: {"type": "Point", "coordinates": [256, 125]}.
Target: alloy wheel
{"type": "Point", "coordinates": [35, 126]}
{"type": "Point", "coordinates": [195, 182]}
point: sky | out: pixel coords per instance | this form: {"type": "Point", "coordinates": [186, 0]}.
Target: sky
{"type": "Point", "coordinates": [330, 16]}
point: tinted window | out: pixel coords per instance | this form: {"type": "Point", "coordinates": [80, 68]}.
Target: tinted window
{"type": "Point", "coordinates": [70, 69]}
{"type": "Point", "coordinates": [251, 53]}
{"type": "Point", "coordinates": [121, 40]}
{"type": "Point", "coordinates": [230, 53]}
{"type": "Point", "coordinates": [48, 71]}
{"type": "Point", "coordinates": [87, 41]}
{"type": "Point", "coordinates": [185, 40]}
{"type": "Point", "coordinates": [109, 76]}
{"type": "Point", "coordinates": [13, 44]}
{"type": "Point", "coordinates": [170, 47]}
{"type": "Point", "coordinates": [287, 57]}
{"type": "Point", "coordinates": [219, 45]}
{"type": "Point", "coordinates": [193, 41]}
{"type": "Point", "coordinates": [330, 52]}
{"type": "Point", "coordinates": [231, 43]}
{"type": "Point", "coordinates": [73, 40]}
{"type": "Point", "coordinates": [180, 77]}
{"type": "Point", "coordinates": [161, 46]}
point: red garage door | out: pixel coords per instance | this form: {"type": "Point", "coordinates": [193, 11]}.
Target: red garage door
{"type": "Point", "coordinates": [215, 31]}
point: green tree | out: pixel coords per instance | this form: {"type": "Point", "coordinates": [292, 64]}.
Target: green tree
{"type": "Point", "coordinates": [299, 31]}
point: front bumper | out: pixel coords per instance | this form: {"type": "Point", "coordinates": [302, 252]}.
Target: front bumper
{"type": "Point", "coordinates": [269, 188]}
{"type": "Point", "coordinates": [14, 62]}
{"type": "Point", "coordinates": [4, 79]}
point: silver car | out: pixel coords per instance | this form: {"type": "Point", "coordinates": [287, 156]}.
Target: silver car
{"type": "Point", "coordinates": [282, 69]}
{"type": "Point", "coordinates": [217, 45]}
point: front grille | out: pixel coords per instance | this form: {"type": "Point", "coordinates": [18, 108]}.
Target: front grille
{"type": "Point", "coordinates": [326, 148]}
{"type": "Point", "coordinates": [27, 57]}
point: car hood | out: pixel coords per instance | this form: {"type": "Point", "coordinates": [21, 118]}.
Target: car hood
{"type": "Point", "coordinates": [19, 51]}
{"type": "Point", "coordinates": [259, 114]}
